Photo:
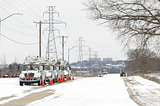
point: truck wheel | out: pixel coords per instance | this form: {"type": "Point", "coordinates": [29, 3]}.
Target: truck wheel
{"type": "Point", "coordinates": [27, 83]}
{"type": "Point", "coordinates": [53, 80]}
{"type": "Point", "coordinates": [21, 83]}
{"type": "Point", "coordinates": [45, 81]}
{"type": "Point", "coordinates": [40, 82]}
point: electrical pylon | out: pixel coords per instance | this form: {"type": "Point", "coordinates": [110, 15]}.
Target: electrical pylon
{"type": "Point", "coordinates": [80, 55]}
{"type": "Point", "coordinates": [51, 51]}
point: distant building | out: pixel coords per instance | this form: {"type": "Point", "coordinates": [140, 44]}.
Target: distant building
{"type": "Point", "coordinates": [94, 59]}
{"type": "Point", "coordinates": [107, 59]}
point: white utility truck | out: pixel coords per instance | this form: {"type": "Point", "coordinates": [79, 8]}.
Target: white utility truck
{"type": "Point", "coordinates": [63, 69]}
{"type": "Point", "coordinates": [33, 71]}
{"type": "Point", "coordinates": [38, 70]}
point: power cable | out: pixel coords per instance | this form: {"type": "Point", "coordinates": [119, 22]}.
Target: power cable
{"type": "Point", "coordinates": [43, 44]}
{"type": "Point", "coordinates": [68, 32]}
{"type": "Point", "coordinates": [19, 31]}
{"type": "Point", "coordinates": [19, 42]}
{"type": "Point", "coordinates": [19, 9]}
{"type": "Point", "coordinates": [30, 8]}
{"type": "Point", "coordinates": [19, 20]}
{"type": "Point", "coordinates": [35, 6]}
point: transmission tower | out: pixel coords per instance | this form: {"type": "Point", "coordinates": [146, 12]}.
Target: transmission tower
{"type": "Point", "coordinates": [51, 51]}
{"type": "Point", "coordinates": [80, 55]}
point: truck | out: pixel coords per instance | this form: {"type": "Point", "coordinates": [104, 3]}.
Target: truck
{"type": "Point", "coordinates": [38, 69]}
{"type": "Point", "coordinates": [63, 69]}
{"type": "Point", "coordinates": [33, 71]}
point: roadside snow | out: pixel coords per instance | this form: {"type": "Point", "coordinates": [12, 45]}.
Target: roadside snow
{"type": "Point", "coordinates": [156, 75]}
{"type": "Point", "coordinates": [144, 91]}
{"type": "Point", "coordinates": [109, 90]}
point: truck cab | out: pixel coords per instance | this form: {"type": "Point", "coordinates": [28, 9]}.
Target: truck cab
{"type": "Point", "coordinates": [32, 71]}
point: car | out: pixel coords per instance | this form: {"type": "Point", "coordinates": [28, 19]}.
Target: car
{"type": "Point", "coordinates": [100, 75]}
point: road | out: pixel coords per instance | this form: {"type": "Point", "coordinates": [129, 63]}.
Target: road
{"type": "Point", "coordinates": [109, 90]}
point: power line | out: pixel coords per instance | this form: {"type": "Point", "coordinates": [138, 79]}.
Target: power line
{"type": "Point", "coordinates": [19, 31]}
{"type": "Point", "coordinates": [18, 8]}
{"type": "Point", "coordinates": [19, 20]}
{"type": "Point", "coordinates": [30, 8]}
{"type": "Point", "coordinates": [19, 42]}
{"type": "Point", "coordinates": [68, 32]}
{"type": "Point", "coordinates": [35, 6]}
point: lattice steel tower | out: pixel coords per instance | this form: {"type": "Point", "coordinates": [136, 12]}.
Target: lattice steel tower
{"type": "Point", "coordinates": [80, 55]}
{"type": "Point", "coordinates": [51, 51]}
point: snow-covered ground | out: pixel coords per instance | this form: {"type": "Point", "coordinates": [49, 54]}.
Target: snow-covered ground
{"type": "Point", "coordinates": [109, 90]}
{"type": "Point", "coordinates": [143, 91]}
{"type": "Point", "coordinates": [156, 75]}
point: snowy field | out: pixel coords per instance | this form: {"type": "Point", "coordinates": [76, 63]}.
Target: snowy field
{"type": "Point", "coordinates": [109, 90]}
{"type": "Point", "coordinates": [143, 91]}
{"type": "Point", "coordinates": [156, 75]}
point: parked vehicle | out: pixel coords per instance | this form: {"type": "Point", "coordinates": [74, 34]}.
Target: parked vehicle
{"type": "Point", "coordinates": [42, 70]}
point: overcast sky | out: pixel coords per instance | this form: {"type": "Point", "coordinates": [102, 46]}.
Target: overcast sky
{"type": "Point", "coordinates": [21, 28]}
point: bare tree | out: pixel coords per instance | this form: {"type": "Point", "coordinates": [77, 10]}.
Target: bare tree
{"type": "Point", "coordinates": [4, 61]}
{"type": "Point", "coordinates": [138, 60]}
{"type": "Point", "coordinates": [137, 22]}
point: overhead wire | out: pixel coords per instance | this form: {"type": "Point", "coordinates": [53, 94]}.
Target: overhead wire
{"type": "Point", "coordinates": [19, 31]}
{"type": "Point", "coordinates": [18, 8]}
{"type": "Point", "coordinates": [35, 5]}
{"type": "Point", "coordinates": [67, 31]}
{"type": "Point", "coordinates": [19, 20]}
{"type": "Point", "coordinates": [18, 42]}
{"type": "Point", "coordinates": [30, 9]}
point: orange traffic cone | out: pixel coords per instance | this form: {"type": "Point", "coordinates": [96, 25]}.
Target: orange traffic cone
{"type": "Point", "coordinates": [73, 77]}
{"type": "Point", "coordinates": [50, 82]}
{"type": "Point", "coordinates": [42, 82]}
{"type": "Point", "coordinates": [62, 80]}
{"type": "Point", "coordinates": [27, 75]}
{"type": "Point", "coordinates": [58, 80]}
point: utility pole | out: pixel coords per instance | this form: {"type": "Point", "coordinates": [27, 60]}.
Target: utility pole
{"type": "Point", "coordinates": [40, 38]}
{"type": "Point", "coordinates": [40, 24]}
{"type": "Point", "coordinates": [63, 46]}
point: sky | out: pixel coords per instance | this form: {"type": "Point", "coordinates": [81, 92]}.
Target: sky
{"type": "Point", "coordinates": [22, 29]}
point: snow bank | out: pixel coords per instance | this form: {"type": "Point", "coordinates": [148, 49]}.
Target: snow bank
{"type": "Point", "coordinates": [144, 91]}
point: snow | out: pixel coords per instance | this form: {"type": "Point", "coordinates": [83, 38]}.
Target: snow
{"type": "Point", "coordinates": [156, 75]}
{"type": "Point", "coordinates": [96, 91]}
{"type": "Point", "coordinates": [91, 91]}
{"type": "Point", "coordinates": [144, 91]}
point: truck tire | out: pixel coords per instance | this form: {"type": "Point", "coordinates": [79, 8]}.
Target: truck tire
{"type": "Point", "coordinates": [40, 82]}
{"type": "Point", "coordinates": [21, 83]}
{"type": "Point", "coordinates": [27, 83]}
{"type": "Point", "coordinates": [45, 81]}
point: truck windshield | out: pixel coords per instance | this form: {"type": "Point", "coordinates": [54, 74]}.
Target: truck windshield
{"type": "Point", "coordinates": [64, 68]}
{"type": "Point", "coordinates": [30, 67]}
{"type": "Point", "coordinates": [47, 67]}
